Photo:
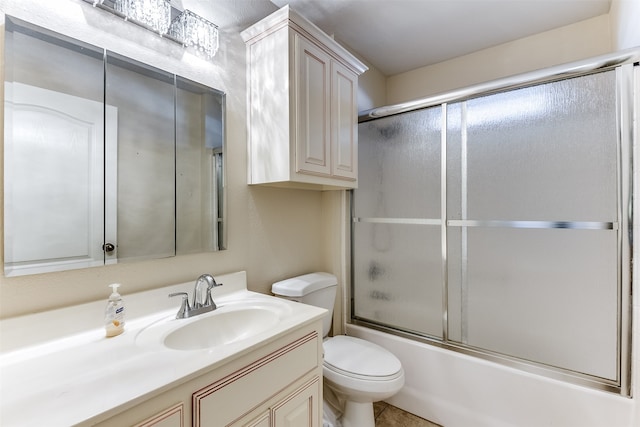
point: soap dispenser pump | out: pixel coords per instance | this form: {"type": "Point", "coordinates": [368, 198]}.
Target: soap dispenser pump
{"type": "Point", "coordinates": [114, 313]}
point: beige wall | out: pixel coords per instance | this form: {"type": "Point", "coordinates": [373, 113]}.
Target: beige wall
{"type": "Point", "coordinates": [571, 43]}
{"type": "Point", "coordinates": [624, 16]}
{"type": "Point", "coordinates": [372, 85]}
{"type": "Point", "coordinates": [618, 30]}
{"type": "Point", "coordinates": [272, 233]}
{"type": "Point", "coordinates": [372, 88]}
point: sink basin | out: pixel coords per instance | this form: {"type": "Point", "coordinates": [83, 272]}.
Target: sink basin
{"type": "Point", "coordinates": [225, 328]}
{"type": "Point", "coordinates": [233, 321]}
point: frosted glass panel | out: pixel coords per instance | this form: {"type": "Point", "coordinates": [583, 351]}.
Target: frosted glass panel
{"type": "Point", "coordinates": [401, 173]}
{"type": "Point", "coordinates": [518, 165]}
{"type": "Point", "coordinates": [398, 267]}
{"type": "Point", "coordinates": [398, 272]}
{"type": "Point", "coordinates": [548, 296]}
{"type": "Point", "coordinates": [546, 152]}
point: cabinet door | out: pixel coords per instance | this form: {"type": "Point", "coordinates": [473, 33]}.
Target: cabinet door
{"type": "Point", "coordinates": [344, 122]}
{"type": "Point", "coordinates": [172, 417]}
{"type": "Point", "coordinates": [312, 91]}
{"type": "Point", "coordinates": [262, 420]}
{"type": "Point", "coordinates": [299, 409]}
{"type": "Point", "coordinates": [229, 399]}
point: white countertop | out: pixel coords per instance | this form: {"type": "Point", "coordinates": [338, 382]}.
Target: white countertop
{"type": "Point", "coordinates": [54, 373]}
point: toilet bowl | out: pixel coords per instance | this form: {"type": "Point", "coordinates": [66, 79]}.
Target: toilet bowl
{"type": "Point", "coordinates": [358, 372]}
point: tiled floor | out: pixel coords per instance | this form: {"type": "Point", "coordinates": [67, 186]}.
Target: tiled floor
{"type": "Point", "coordinates": [390, 416]}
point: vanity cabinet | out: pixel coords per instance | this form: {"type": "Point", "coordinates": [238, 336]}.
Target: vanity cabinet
{"type": "Point", "coordinates": [302, 107]}
{"type": "Point", "coordinates": [298, 409]}
{"type": "Point", "coordinates": [171, 417]}
{"type": "Point", "coordinates": [277, 385]}
{"type": "Point", "coordinates": [295, 409]}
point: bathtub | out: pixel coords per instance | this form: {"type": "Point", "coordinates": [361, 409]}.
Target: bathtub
{"type": "Point", "coordinates": [457, 390]}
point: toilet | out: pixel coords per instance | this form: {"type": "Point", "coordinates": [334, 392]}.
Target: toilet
{"type": "Point", "coordinates": [358, 372]}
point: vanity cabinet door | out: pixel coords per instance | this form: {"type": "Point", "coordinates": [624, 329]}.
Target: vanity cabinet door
{"type": "Point", "coordinates": [172, 417]}
{"type": "Point", "coordinates": [262, 420]}
{"type": "Point", "coordinates": [233, 399]}
{"type": "Point", "coordinates": [300, 408]}
{"type": "Point", "coordinates": [151, 413]}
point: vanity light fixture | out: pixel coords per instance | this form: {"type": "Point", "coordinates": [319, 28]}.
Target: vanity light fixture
{"type": "Point", "coordinates": [184, 27]}
{"type": "Point", "coordinates": [194, 30]}
{"type": "Point", "coordinates": [155, 14]}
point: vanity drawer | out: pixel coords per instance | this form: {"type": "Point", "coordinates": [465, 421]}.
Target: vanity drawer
{"type": "Point", "coordinates": [238, 393]}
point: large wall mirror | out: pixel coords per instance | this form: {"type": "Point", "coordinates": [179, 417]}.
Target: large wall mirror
{"type": "Point", "coordinates": [106, 159]}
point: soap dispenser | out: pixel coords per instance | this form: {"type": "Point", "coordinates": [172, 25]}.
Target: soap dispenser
{"type": "Point", "coordinates": [114, 313]}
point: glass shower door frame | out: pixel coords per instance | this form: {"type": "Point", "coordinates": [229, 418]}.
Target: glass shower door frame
{"type": "Point", "coordinates": [627, 106]}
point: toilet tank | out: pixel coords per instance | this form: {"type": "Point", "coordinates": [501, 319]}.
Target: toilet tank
{"type": "Point", "coordinates": [317, 289]}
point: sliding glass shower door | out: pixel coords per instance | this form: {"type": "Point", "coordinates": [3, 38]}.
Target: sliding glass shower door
{"type": "Point", "coordinates": [496, 225]}
{"type": "Point", "coordinates": [397, 257]}
{"type": "Point", "coordinates": [533, 265]}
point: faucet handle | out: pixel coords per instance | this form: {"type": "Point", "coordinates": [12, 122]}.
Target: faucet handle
{"type": "Point", "coordinates": [209, 301]}
{"type": "Point", "coordinates": [213, 285]}
{"type": "Point", "coordinates": [184, 306]}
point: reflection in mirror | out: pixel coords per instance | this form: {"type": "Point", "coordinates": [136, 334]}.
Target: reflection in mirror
{"type": "Point", "coordinates": [106, 159]}
{"type": "Point", "coordinates": [145, 160]}
{"type": "Point", "coordinates": [53, 152]}
{"type": "Point", "coordinates": [199, 147]}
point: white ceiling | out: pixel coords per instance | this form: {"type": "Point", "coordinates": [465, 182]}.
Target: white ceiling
{"type": "Point", "coordinates": [401, 35]}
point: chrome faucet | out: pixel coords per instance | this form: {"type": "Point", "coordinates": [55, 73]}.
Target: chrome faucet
{"type": "Point", "coordinates": [199, 304]}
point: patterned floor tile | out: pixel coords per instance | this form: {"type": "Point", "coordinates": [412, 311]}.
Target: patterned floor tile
{"type": "Point", "coordinates": [390, 416]}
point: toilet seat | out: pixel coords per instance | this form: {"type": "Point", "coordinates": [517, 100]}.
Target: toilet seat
{"type": "Point", "coordinates": [360, 359]}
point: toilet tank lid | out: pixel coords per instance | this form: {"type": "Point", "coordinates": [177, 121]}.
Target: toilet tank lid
{"type": "Point", "coordinates": [303, 285]}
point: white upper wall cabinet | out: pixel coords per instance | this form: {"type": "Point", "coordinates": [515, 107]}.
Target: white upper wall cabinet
{"type": "Point", "coordinates": [302, 108]}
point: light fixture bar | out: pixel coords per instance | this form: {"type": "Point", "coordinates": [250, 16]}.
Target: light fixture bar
{"type": "Point", "coordinates": [155, 14]}
{"type": "Point", "coordinates": [195, 31]}
{"type": "Point", "coordinates": [183, 27]}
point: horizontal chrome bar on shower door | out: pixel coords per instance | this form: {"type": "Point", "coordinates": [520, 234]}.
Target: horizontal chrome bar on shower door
{"type": "Point", "coordinates": [573, 225]}
{"type": "Point", "coordinates": [418, 221]}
